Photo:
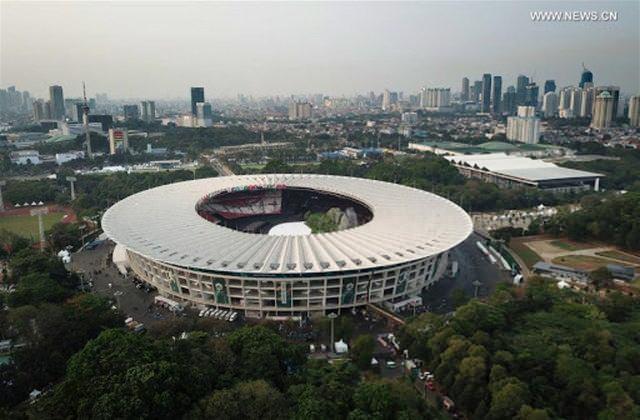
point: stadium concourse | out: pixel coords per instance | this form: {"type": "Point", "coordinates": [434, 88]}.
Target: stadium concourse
{"type": "Point", "coordinates": [205, 243]}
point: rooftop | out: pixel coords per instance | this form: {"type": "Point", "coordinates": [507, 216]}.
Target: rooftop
{"type": "Point", "coordinates": [407, 225]}
{"type": "Point", "coordinates": [520, 167]}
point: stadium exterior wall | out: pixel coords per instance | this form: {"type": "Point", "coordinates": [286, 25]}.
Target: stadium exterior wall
{"type": "Point", "coordinates": [277, 296]}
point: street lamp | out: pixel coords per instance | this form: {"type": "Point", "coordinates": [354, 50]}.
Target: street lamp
{"type": "Point", "coordinates": [40, 212]}
{"type": "Point", "coordinates": [117, 295]}
{"type": "Point", "coordinates": [332, 316]}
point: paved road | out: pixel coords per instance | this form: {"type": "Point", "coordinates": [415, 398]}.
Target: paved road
{"type": "Point", "coordinates": [472, 265]}
{"type": "Point", "coordinates": [131, 301]}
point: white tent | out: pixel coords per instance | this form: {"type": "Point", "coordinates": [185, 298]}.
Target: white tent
{"type": "Point", "coordinates": [341, 347]}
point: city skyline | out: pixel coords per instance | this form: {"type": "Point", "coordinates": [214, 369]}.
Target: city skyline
{"type": "Point", "coordinates": [334, 49]}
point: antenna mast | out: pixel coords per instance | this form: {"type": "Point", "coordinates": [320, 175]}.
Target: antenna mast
{"type": "Point", "coordinates": [85, 121]}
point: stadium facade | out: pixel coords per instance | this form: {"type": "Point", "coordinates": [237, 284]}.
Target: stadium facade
{"type": "Point", "coordinates": [204, 242]}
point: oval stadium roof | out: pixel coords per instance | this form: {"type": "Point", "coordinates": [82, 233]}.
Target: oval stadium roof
{"type": "Point", "coordinates": [407, 224]}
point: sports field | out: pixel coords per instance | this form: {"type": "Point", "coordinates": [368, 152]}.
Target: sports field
{"type": "Point", "coordinates": [27, 226]}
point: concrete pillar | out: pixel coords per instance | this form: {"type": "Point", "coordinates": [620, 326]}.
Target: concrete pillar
{"type": "Point", "coordinates": [72, 180]}
{"type": "Point", "coordinates": [596, 185]}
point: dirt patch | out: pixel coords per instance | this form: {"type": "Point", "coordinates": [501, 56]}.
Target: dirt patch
{"type": "Point", "coordinates": [581, 262]}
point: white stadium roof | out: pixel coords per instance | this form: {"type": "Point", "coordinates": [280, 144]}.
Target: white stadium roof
{"type": "Point", "coordinates": [521, 167]}
{"type": "Point", "coordinates": [407, 224]}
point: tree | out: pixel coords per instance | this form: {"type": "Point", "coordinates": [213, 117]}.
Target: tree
{"type": "Point", "coordinates": [508, 400]}
{"type": "Point", "coordinates": [362, 351]}
{"type": "Point", "coordinates": [245, 400]}
{"type": "Point", "coordinates": [36, 288]}
{"type": "Point", "coordinates": [62, 235]}
{"type": "Point", "coordinates": [263, 354]}
{"type": "Point", "coordinates": [601, 278]}
{"type": "Point", "coordinates": [459, 297]}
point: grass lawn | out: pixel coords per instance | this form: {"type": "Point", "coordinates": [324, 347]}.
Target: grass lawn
{"type": "Point", "coordinates": [582, 262]}
{"type": "Point", "coordinates": [27, 226]}
{"type": "Point", "coordinates": [528, 255]}
{"type": "Point", "coordinates": [620, 256]}
{"type": "Point", "coordinates": [568, 245]}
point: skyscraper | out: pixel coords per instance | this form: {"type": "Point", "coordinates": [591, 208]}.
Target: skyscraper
{"type": "Point", "coordinates": [549, 86]}
{"type": "Point", "coordinates": [575, 100]}
{"type": "Point", "coordinates": [586, 104]}
{"type": "Point", "coordinates": [436, 98]}
{"type": "Point", "coordinates": [521, 87]}
{"type": "Point", "coordinates": [497, 94]}
{"type": "Point", "coordinates": [531, 95]}
{"type": "Point", "coordinates": [386, 101]}
{"type": "Point", "coordinates": [634, 111]}
{"type": "Point", "coordinates": [549, 104]}
{"type": "Point", "coordinates": [39, 110]}
{"type": "Point", "coordinates": [197, 95]}
{"type": "Point", "coordinates": [486, 92]}
{"type": "Point", "coordinates": [615, 94]}
{"type": "Point", "coordinates": [509, 101]}
{"type": "Point", "coordinates": [204, 114]}
{"type": "Point", "coordinates": [476, 91]}
{"type": "Point", "coordinates": [602, 110]}
{"type": "Point", "coordinates": [525, 127]}
{"type": "Point", "coordinates": [585, 77]}
{"type": "Point", "coordinates": [57, 102]}
{"type": "Point", "coordinates": [464, 96]}
{"type": "Point", "coordinates": [149, 110]}
{"type": "Point", "coordinates": [131, 112]}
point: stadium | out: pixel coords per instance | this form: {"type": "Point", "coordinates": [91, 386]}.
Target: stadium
{"type": "Point", "coordinates": [219, 242]}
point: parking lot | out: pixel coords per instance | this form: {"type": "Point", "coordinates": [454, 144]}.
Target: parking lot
{"type": "Point", "coordinates": [109, 282]}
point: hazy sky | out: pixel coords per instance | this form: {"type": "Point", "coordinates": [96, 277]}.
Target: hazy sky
{"type": "Point", "coordinates": [160, 49]}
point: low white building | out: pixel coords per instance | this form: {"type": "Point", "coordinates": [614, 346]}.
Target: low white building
{"type": "Point", "coordinates": [25, 157]}
{"type": "Point", "coordinates": [69, 156]}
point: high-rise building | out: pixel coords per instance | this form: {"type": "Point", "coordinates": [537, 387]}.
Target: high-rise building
{"type": "Point", "coordinates": [300, 110]}
{"type": "Point", "coordinates": [585, 77]}
{"type": "Point", "coordinates": [531, 95]}
{"type": "Point", "coordinates": [476, 91]}
{"type": "Point", "coordinates": [497, 94]}
{"type": "Point", "coordinates": [78, 111]}
{"type": "Point", "coordinates": [486, 92]}
{"type": "Point", "coordinates": [39, 110]}
{"type": "Point", "coordinates": [564, 98]}
{"type": "Point", "coordinates": [549, 86]}
{"type": "Point", "coordinates": [549, 104]}
{"type": "Point", "coordinates": [386, 102]}
{"type": "Point", "coordinates": [464, 95]}
{"type": "Point", "coordinates": [509, 101]}
{"type": "Point", "coordinates": [149, 110]}
{"type": "Point", "coordinates": [57, 102]}
{"type": "Point", "coordinates": [131, 112]}
{"type": "Point", "coordinates": [525, 127]}
{"type": "Point", "coordinates": [586, 104]}
{"type": "Point", "coordinates": [521, 88]}
{"type": "Point", "coordinates": [615, 94]}
{"type": "Point", "coordinates": [575, 100]}
{"type": "Point", "coordinates": [204, 117]}
{"type": "Point", "coordinates": [602, 110]}
{"type": "Point", "coordinates": [436, 98]}
{"type": "Point", "coordinates": [197, 95]}
{"type": "Point", "coordinates": [634, 111]}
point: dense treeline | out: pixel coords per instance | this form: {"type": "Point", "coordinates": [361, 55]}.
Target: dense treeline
{"type": "Point", "coordinates": [248, 374]}
{"type": "Point", "coordinates": [622, 172]}
{"type": "Point", "coordinates": [546, 354]}
{"type": "Point", "coordinates": [48, 321]}
{"type": "Point", "coordinates": [615, 219]}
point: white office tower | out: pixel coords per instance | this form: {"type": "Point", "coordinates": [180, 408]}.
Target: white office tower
{"type": "Point", "coordinates": [634, 111]}
{"type": "Point", "coordinates": [602, 111]}
{"type": "Point", "coordinates": [299, 110]}
{"type": "Point", "coordinates": [435, 98]}
{"type": "Point", "coordinates": [386, 101]}
{"type": "Point", "coordinates": [564, 101]}
{"type": "Point", "coordinates": [550, 104]}
{"type": "Point", "coordinates": [204, 115]}
{"type": "Point", "coordinates": [586, 104]}
{"type": "Point", "coordinates": [524, 127]}
{"type": "Point", "coordinates": [575, 99]}
{"type": "Point", "coordinates": [148, 111]}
